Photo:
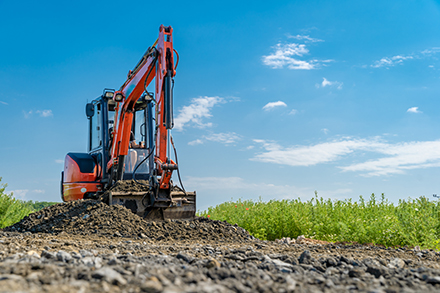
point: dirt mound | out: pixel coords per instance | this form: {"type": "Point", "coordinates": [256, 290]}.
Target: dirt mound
{"type": "Point", "coordinates": [87, 217]}
{"type": "Point", "coordinates": [130, 186]}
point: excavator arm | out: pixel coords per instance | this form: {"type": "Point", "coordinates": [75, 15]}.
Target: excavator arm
{"type": "Point", "coordinates": [157, 62]}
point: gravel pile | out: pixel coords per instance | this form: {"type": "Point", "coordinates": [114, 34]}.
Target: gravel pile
{"type": "Point", "coordinates": [56, 263]}
{"type": "Point", "coordinates": [88, 217]}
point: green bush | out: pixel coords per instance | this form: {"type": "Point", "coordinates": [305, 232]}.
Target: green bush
{"type": "Point", "coordinates": [11, 209]}
{"type": "Point", "coordinates": [410, 222]}
{"type": "Point", "coordinates": [38, 205]}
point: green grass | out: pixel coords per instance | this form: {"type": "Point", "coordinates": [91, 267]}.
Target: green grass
{"type": "Point", "coordinates": [411, 222]}
{"type": "Point", "coordinates": [13, 210]}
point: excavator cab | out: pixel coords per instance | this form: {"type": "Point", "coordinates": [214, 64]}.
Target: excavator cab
{"type": "Point", "coordinates": [84, 174]}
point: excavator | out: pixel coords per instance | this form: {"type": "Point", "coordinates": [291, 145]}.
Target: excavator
{"type": "Point", "coordinates": [130, 143]}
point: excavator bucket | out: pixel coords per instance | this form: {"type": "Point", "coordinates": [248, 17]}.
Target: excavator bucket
{"type": "Point", "coordinates": [178, 205]}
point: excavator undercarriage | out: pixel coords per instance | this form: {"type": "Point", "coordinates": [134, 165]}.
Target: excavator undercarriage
{"type": "Point", "coordinates": [178, 204]}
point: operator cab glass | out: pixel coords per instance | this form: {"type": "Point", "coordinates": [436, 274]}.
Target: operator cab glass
{"type": "Point", "coordinates": [138, 151]}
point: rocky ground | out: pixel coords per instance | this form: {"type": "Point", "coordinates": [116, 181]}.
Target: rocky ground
{"type": "Point", "coordinates": [87, 246]}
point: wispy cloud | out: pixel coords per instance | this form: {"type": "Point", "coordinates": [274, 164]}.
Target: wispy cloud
{"type": "Point", "coordinates": [399, 59]}
{"type": "Point", "coordinates": [325, 82]}
{"type": "Point", "coordinates": [399, 157]}
{"type": "Point", "coordinates": [226, 138]}
{"type": "Point", "coordinates": [223, 188]}
{"type": "Point", "coordinates": [288, 55]}
{"type": "Point", "coordinates": [20, 193]}
{"type": "Point", "coordinates": [59, 161]}
{"type": "Point", "coordinates": [27, 114]}
{"type": "Point", "coordinates": [325, 130]}
{"type": "Point", "coordinates": [45, 113]}
{"type": "Point", "coordinates": [293, 112]}
{"type": "Point", "coordinates": [305, 38]}
{"type": "Point", "coordinates": [390, 61]}
{"type": "Point", "coordinates": [4, 103]}
{"type": "Point", "coordinates": [413, 110]}
{"type": "Point", "coordinates": [311, 155]}
{"type": "Point", "coordinates": [196, 112]}
{"type": "Point", "coordinates": [237, 186]}
{"type": "Point", "coordinates": [42, 113]}
{"type": "Point", "coordinates": [271, 105]}
{"type": "Point", "coordinates": [195, 142]}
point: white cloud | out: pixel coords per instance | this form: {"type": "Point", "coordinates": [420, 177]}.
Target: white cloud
{"type": "Point", "coordinates": [195, 113]}
{"type": "Point", "coordinates": [195, 142]}
{"type": "Point", "coordinates": [311, 155]}
{"type": "Point", "coordinates": [45, 113]}
{"type": "Point", "coordinates": [223, 189]}
{"type": "Point", "coordinates": [399, 59]}
{"type": "Point", "coordinates": [392, 61]}
{"type": "Point", "coordinates": [399, 157]}
{"type": "Point", "coordinates": [20, 193]}
{"type": "Point", "coordinates": [27, 114]}
{"type": "Point", "coordinates": [38, 191]}
{"type": "Point", "coordinates": [59, 161]}
{"type": "Point", "coordinates": [306, 38]}
{"type": "Point", "coordinates": [271, 105]}
{"type": "Point", "coordinates": [240, 187]}
{"type": "Point", "coordinates": [4, 103]}
{"type": "Point", "coordinates": [293, 112]}
{"type": "Point", "coordinates": [431, 51]}
{"type": "Point", "coordinates": [413, 110]}
{"type": "Point", "coordinates": [42, 113]}
{"type": "Point", "coordinates": [285, 56]}
{"type": "Point", "coordinates": [226, 138]}
{"type": "Point", "coordinates": [325, 130]}
{"type": "Point", "coordinates": [326, 82]}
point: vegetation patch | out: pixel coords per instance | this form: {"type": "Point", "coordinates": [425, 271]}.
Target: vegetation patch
{"type": "Point", "coordinates": [13, 210]}
{"type": "Point", "coordinates": [409, 223]}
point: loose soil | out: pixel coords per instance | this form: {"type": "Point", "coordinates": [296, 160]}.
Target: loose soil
{"type": "Point", "coordinates": [88, 246]}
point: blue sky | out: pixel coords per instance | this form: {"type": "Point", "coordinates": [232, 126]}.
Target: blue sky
{"type": "Point", "coordinates": [273, 100]}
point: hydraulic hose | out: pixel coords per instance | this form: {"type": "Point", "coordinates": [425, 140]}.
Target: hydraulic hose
{"type": "Point", "coordinates": [134, 172]}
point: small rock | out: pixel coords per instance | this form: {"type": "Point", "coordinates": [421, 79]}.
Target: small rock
{"type": "Point", "coordinates": [117, 234]}
{"type": "Point", "coordinates": [185, 257]}
{"type": "Point", "coordinates": [48, 255]}
{"type": "Point", "coordinates": [396, 263]}
{"type": "Point", "coordinates": [109, 275]}
{"type": "Point", "coordinates": [213, 263]}
{"type": "Point", "coordinates": [433, 280]}
{"type": "Point", "coordinates": [33, 253]}
{"type": "Point", "coordinates": [356, 273]}
{"type": "Point", "coordinates": [305, 257]}
{"type": "Point", "coordinates": [152, 286]}
{"type": "Point", "coordinates": [63, 256]}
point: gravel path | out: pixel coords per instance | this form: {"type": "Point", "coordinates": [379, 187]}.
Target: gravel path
{"type": "Point", "coordinates": [193, 256]}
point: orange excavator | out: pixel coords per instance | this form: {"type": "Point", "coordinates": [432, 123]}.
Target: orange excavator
{"type": "Point", "coordinates": [129, 148]}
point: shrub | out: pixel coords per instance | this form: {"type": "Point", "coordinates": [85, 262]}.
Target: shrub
{"type": "Point", "coordinates": [11, 209]}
